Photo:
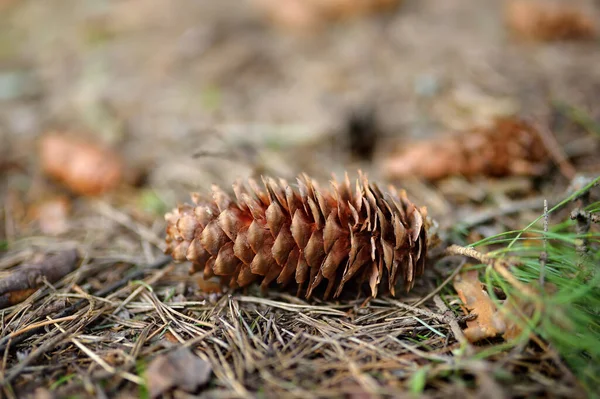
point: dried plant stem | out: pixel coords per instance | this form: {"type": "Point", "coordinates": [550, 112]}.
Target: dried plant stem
{"type": "Point", "coordinates": [453, 323]}
{"type": "Point", "coordinates": [40, 324]}
{"type": "Point", "coordinates": [499, 265]}
{"type": "Point", "coordinates": [583, 221]}
{"type": "Point", "coordinates": [544, 254]}
{"type": "Point", "coordinates": [594, 218]}
{"type": "Point", "coordinates": [588, 217]}
{"type": "Point", "coordinates": [28, 278]}
{"type": "Point", "coordinates": [470, 252]}
{"type": "Point", "coordinates": [447, 317]}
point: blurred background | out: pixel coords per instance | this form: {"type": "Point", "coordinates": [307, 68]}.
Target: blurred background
{"type": "Point", "coordinates": [156, 98]}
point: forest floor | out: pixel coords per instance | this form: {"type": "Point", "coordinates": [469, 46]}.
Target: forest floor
{"type": "Point", "coordinates": [208, 92]}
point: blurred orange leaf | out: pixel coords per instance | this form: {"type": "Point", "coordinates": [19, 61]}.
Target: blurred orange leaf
{"type": "Point", "coordinates": [86, 168]}
{"type": "Point", "coordinates": [549, 20]}
{"type": "Point", "coordinates": [304, 15]}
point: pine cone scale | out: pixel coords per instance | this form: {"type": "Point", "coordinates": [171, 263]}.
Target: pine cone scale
{"type": "Point", "coordinates": [288, 271]}
{"type": "Point", "coordinates": [242, 249]}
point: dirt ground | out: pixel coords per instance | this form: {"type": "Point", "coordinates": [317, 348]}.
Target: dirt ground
{"type": "Point", "coordinates": [165, 82]}
{"type": "Point", "coordinates": [204, 92]}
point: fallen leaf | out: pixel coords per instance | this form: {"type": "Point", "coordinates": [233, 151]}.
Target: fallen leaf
{"type": "Point", "coordinates": [84, 167]}
{"type": "Point", "coordinates": [305, 15]}
{"type": "Point", "coordinates": [27, 278]}
{"type": "Point", "coordinates": [489, 322]}
{"type": "Point", "coordinates": [550, 20]}
{"type": "Point", "coordinates": [178, 369]}
{"type": "Point", "coordinates": [509, 147]}
{"type": "Point", "coordinates": [52, 215]}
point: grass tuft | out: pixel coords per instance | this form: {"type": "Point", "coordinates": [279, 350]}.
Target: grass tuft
{"type": "Point", "coordinates": [566, 313]}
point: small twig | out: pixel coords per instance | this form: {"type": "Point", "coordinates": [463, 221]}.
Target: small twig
{"type": "Point", "coordinates": [40, 324]}
{"type": "Point", "coordinates": [422, 312]}
{"type": "Point", "coordinates": [583, 222]}
{"type": "Point", "coordinates": [452, 322]}
{"type": "Point", "coordinates": [420, 353]}
{"type": "Point", "coordinates": [594, 218]}
{"type": "Point", "coordinates": [26, 279]}
{"type": "Point", "coordinates": [449, 319]}
{"type": "Point", "coordinates": [581, 228]}
{"type": "Point", "coordinates": [544, 254]}
{"type": "Point", "coordinates": [501, 266]}
{"type": "Point", "coordinates": [470, 252]}
{"type": "Point", "coordinates": [291, 307]}
{"type": "Point", "coordinates": [591, 217]}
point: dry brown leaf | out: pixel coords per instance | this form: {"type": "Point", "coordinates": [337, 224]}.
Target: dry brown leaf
{"type": "Point", "coordinates": [52, 215]}
{"type": "Point", "coordinates": [509, 147]}
{"type": "Point", "coordinates": [549, 20]}
{"type": "Point", "coordinates": [472, 293]}
{"type": "Point", "coordinates": [179, 369]}
{"type": "Point", "coordinates": [304, 15]}
{"type": "Point", "coordinates": [26, 279]}
{"type": "Point", "coordinates": [84, 167]}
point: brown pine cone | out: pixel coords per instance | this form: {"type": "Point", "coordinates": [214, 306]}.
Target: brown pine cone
{"type": "Point", "coordinates": [303, 234]}
{"type": "Point", "coordinates": [509, 147]}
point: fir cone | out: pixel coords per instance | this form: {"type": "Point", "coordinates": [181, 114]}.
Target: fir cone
{"type": "Point", "coordinates": [509, 147]}
{"type": "Point", "coordinates": [302, 234]}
